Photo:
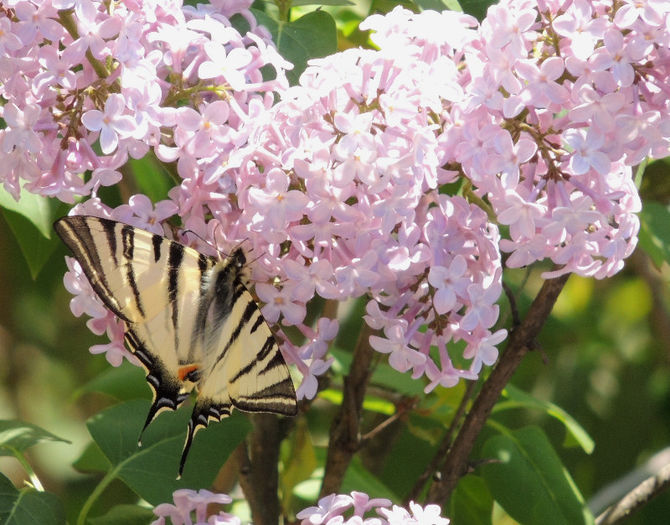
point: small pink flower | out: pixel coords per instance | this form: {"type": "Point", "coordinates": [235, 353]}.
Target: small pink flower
{"type": "Point", "coordinates": [115, 351]}
{"type": "Point", "coordinates": [140, 212]}
{"type": "Point", "coordinates": [228, 65]}
{"type": "Point", "coordinates": [112, 123]}
{"type": "Point", "coordinates": [279, 302]}
{"type": "Point", "coordinates": [20, 133]}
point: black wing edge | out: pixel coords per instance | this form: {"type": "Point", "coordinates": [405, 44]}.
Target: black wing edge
{"type": "Point", "coordinates": [167, 389]}
{"type": "Point", "coordinates": [205, 410]}
{"type": "Point", "coordinates": [75, 232]}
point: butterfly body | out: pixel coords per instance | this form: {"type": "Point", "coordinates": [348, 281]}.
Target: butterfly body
{"type": "Point", "coordinates": [190, 320]}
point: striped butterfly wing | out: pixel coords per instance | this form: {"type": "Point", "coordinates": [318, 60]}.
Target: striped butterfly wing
{"type": "Point", "coordinates": [243, 367]}
{"type": "Point", "coordinates": [190, 320]}
{"type": "Point", "coordinates": [154, 285]}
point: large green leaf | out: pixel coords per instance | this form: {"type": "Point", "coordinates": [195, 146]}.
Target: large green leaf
{"type": "Point", "coordinates": [361, 479]}
{"type": "Point", "coordinates": [527, 478]}
{"type": "Point", "coordinates": [310, 36]}
{"type": "Point", "coordinates": [476, 8]}
{"type": "Point", "coordinates": [299, 460]}
{"type": "Point", "coordinates": [123, 383]}
{"type": "Point", "coordinates": [296, 3]}
{"type": "Point", "coordinates": [30, 220]}
{"type": "Point", "coordinates": [92, 460]}
{"type": "Point", "coordinates": [18, 436]}
{"type": "Point", "coordinates": [655, 232]}
{"type": "Point", "coordinates": [28, 506]}
{"type": "Point", "coordinates": [576, 435]}
{"type": "Point", "coordinates": [471, 502]}
{"type": "Point", "coordinates": [151, 470]}
{"type": "Point", "coordinates": [125, 515]}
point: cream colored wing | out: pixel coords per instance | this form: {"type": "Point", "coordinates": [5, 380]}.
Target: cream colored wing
{"type": "Point", "coordinates": [243, 367]}
{"type": "Point", "coordinates": [190, 320]}
{"type": "Point", "coordinates": [155, 285]}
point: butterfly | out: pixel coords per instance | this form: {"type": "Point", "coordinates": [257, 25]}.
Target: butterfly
{"type": "Point", "coordinates": [190, 321]}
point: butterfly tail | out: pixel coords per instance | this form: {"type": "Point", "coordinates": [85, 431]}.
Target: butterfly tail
{"type": "Point", "coordinates": [203, 412]}
{"type": "Point", "coordinates": [160, 403]}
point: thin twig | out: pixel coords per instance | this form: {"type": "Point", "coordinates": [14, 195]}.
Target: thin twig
{"type": "Point", "coordinates": [636, 498]}
{"type": "Point", "coordinates": [439, 455]}
{"type": "Point", "coordinates": [521, 340]}
{"type": "Point", "coordinates": [516, 319]}
{"type": "Point", "coordinates": [401, 410]}
{"type": "Point", "coordinates": [345, 430]}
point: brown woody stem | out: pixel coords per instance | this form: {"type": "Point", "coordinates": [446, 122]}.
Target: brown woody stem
{"type": "Point", "coordinates": [345, 430]}
{"type": "Point", "coordinates": [259, 477]}
{"type": "Point", "coordinates": [521, 340]}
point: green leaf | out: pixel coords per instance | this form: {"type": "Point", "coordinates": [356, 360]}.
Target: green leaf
{"type": "Point", "coordinates": [386, 6]}
{"type": "Point", "coordinates": [151, 470]}
{"type": "Point", "coordinates": [476, 8]}
{"type": "Point", "coordinates": [36, 209]}
{"type": "Point", "coordinates": [576, 435]}
{"type": "Point", "coordinates": [28, 506]}
{"type": "Point", "coordinates": [299, 460]}
{"type": "Point", "coordinates": [17, 436]}
{"type": "Point", "coordinates": [471, 502]}
{"type": "Point", "coordinates": [435, 5]}
{"type": "Point", "coordinates": [361, 479]}
{"type": "Point", "coordinates": [383, 375]}
{"type": "Point", "coordinates": [123, 383]}
{"type": "Point", "coordinates": [655, 232]}
{"type": "Point", "coordinates": [310, 36]}
{"type": "Point", "coordinates": [308, 489]}
{"type": "Point", "coordinates": [30, 220]}
{"type": "Point", "coordinates": [528, 479]}
{"type": "Point", "coordinates": [296, 3]}
{"type": "Point", "coordinates": [371, 403]}
{"type": "Point", "coordinates": [125, 515]}
{"type": "Point", "coordinates": [92, 460]}
{"type": "Point", "coordinates": [151, 177]}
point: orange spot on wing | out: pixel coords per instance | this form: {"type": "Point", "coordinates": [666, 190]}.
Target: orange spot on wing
{"type": "Point", "coordinates": [186, 370]}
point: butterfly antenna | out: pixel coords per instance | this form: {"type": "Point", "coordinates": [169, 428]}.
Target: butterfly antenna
{"type": "Point", "coordinates": [188, 230]}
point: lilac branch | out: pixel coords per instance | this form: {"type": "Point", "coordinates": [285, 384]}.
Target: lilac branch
{"type": "Point", "coordinates": [258, 468]}
{"type": "Point", "coordinates": [345, 436]}
{"type": "Point", "coordinates": [636, 498]}
{"type": "Point", "coordinates": [444, 445]}
{"type": "Point", "coordinates": [521, 340]}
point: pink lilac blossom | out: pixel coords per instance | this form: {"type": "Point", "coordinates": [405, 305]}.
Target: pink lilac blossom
{"type": "Point", "coordinates": [144, 60]}
{"type": "Point", "coordinates": [540, 113]}
{"type": "Point", "coordinates": [191, 508]}
{"type": "Point", "coordinates": [355, 508]}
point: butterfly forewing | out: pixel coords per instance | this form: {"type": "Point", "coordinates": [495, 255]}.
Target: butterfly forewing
{"type": "Point", "coordinates": [190, 320]}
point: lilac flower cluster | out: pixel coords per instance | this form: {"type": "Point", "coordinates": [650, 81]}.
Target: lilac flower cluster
{"type": "Point", "coordinates": [330, 510]}
{"type": "Point", "coordinates": [190, 504]}
{"type": "Point", "coordinates": [346, 187]}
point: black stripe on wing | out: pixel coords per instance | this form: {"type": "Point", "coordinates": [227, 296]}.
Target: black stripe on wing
{"type": "Point", "coordinates": [128, 244]}
{"type": "Point", "coordinates": [278, 399]}
{"type": "Point", "coordinates": [249, 311]}
{"type": "Point", "coordinates": [76, 233]}
{"type": "Point", "coordinates": [168, 391]}
{"type": "Point", "coordinates": [175, 258]}
{"type": "Point", "coordinates": [157, 243]}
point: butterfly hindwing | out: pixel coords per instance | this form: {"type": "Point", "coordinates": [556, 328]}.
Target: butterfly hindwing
{"type": "Point", "coordinates": [190, 320]}
{"type": "Point", "coordinates": [243, 366]}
